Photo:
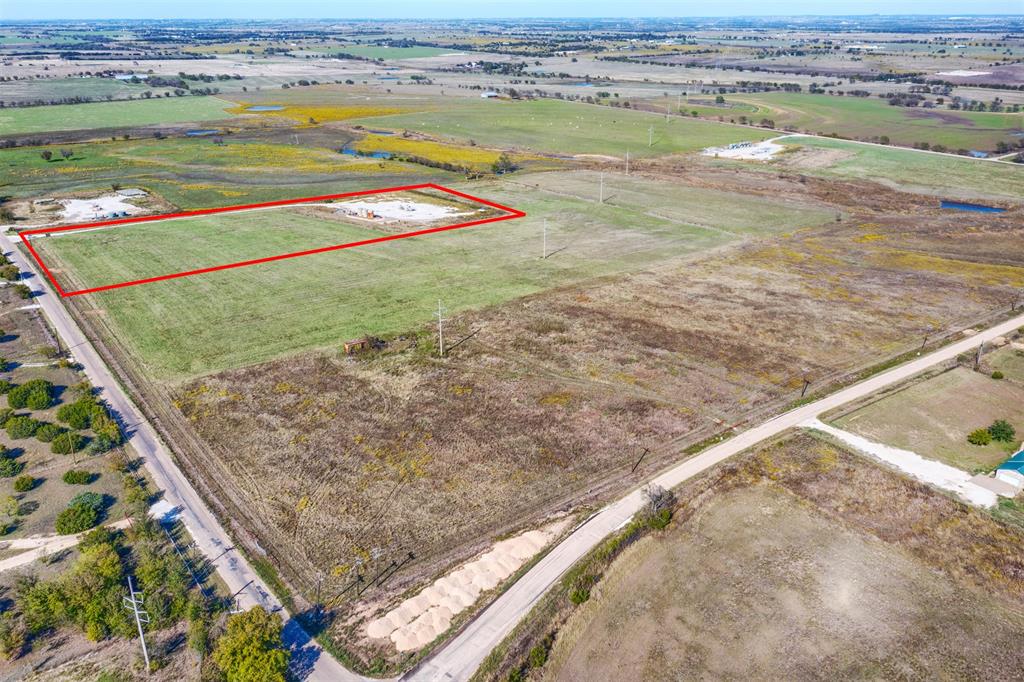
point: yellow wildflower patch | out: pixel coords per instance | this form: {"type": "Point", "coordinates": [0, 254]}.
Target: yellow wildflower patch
{"type": "Point", "coordinates": [313, 114]}
{"type": "Point", "coordinates": [474, 157]}
{"type": "Point", "coordinates": [984, 273]}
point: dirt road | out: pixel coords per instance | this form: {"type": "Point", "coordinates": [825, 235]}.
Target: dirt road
{"type": "Point", "coordinates": [461, 657]}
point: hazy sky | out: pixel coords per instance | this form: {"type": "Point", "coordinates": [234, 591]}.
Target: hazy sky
{"type": "Point", "coordinates": [390, 9]}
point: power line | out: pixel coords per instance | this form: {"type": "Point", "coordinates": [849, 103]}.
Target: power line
{"type": "Point", "coordinates": [134, 603]}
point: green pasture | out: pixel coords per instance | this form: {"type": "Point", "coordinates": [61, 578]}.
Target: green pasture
{"type": "Point", "coordinates": [112, 114]}
{"type": "Point", "coordinates": [561, 127]}
{"type": "Point", "coordinates": [195, 325]}
{"type": "Point", "coordinates": [382, 52]}
{"type": "Point", "coordinates": [942, 175]}
{"type": "Point", "coordinates": [867, 117]}
{"type": "Point", "coordinates": [196, 173]}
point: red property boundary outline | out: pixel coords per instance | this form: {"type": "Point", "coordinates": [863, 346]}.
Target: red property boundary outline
{"type": "Point", "coordinates": [510, 214]}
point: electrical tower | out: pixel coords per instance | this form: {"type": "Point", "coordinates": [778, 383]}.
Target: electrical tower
{"type": "Point", "coordinates": [134, 604]}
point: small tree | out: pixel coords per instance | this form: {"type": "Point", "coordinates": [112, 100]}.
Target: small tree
{"type": "Point", "coordinates": [979, 437]}
{"type": "Point", "coordinates": [67, 153]}
{"type": "Point", "coordinates": [1002, 431]}
{"type": "Point", "coordinates": [77, 477]}
{"type": "Point", "coordinates": [22, 484]}
{"type": "Point", "coordinates": [21, 427]}
{"type": "Point", "coordinates": [76, 518]}
{"type": "Point", "coordinates": [46, 154]}
{"type": "Point", "coordinates": [67, 443]}
{"type": "Point", "coordinates": [251, 648]}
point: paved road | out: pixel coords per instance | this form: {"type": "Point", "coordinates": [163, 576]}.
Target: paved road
{"type": "Point", "coordinates": [461, 657]}
{"type": "Point", "coordinates": [207, 532]}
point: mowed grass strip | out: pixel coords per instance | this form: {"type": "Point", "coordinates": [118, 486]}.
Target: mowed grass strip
{"type": "Point", "coordinates": [195, 325]}
{"type": "Point", "coordinates": [112, 114]}
{"type": "Point", "coordinates": [941, 175]}
{"type": "Point", "coordinates": [560, 127]}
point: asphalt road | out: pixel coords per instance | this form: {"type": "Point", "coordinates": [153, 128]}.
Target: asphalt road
{"type": "Point", "coordinates": [460, 657]}
{"type": "Point", "coordinates": [206, 531]}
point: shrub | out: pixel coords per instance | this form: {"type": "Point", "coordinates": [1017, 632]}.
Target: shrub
{"type": "Point", "coordinates": [22, 484]}
{"type": "Point", "coordinates": [78, 415]}
{"type": "Point", "coordinates": [997, 375]}
{"type": "Point", "coordinates": [979, 437]}
{"type": "Point", "coordinates": [9, 272]}
{"type": "Point", "coordinates": [23, 291]}
{"type": "Point", "coordinates": [5, 414]}
{"type": "Point", "coordinates": [1002, 431]}
{"type": "Point", "coordinates": [47, 432]}
{"type": "Point", "coordinates": [36, 394]}
{"type": "Point", "coordinates": [5, 386]}
{"type": "Point", "coordinates": [21, 427]}
{"type": "Point", "coordinates": [76, 518]}
{"type": "Point", "coordinates": [538, 656]}
{"type": "Point", "coordinates": [67, 443]}
{"type": "Point", "coordinates": [579, 594]}
{"type": "Point", "coordinates": [77, 477]}
{"type": "Point", "coordinates": [4, 365]}
{"type": "Point", "coordinates": [48, 352]}
{"type": "Point", "coordinates": [10, 467]}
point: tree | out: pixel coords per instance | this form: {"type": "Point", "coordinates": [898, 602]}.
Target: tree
{"type": "Point", "coordinates": [23, 291]}
{"type": "Point", "coordinates": [76, 518]}
{"type": "Point", "coordinates": [67, 443]}
{"type": "Point", "coordinates": [251, 649]}
{"type": "Point", "coordinates": [979, 437]}
{"type": "Point", "coordinates": [10, 272]}
{"type": "Point", "coordinates": [10, 467]}
{"type": "Point", "coordinates": [67, 153]}
{"type": "Point", "coordinates": [504, 164]}
{"type": "Point", "coordinates": [22, 484]}
{"type": "Point", "coordinates": [21, 427]}
{"type": "Point", "coordinates": [36, 394]}
{"type": "Point", "coordinates": [1002, 431]}
{"type": "Point", "coordinates": [46, 154]}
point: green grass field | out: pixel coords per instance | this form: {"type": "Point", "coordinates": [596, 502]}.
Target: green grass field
{"type": "Point", "coordinates": [195, 173]}
{"type": "Point", "coordinates": [194, 325]}
{"type": "Point", "coordinates": [380, 52]}
{"type": "Point", "coordinates": [907, 169]}
{"type": "Point", "coordinates": [560, 127]}
{"type": "Point", "coordinates": [112, 114]}
{"type": "Point", "coordinates": [866, 117]}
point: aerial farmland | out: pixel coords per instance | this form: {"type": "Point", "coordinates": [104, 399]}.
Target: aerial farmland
{"type": "Point", "coordinates": [397, 314]}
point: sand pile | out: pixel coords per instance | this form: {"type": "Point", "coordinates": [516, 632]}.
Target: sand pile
{"type": "Point", "coordinates": [419, 620]}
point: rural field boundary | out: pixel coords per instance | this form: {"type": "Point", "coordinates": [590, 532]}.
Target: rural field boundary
{"type": "Point", "coordinates": [507, 214]}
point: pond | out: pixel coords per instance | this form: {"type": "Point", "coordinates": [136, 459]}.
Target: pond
{"type": "Point", "coordinates": [373, 155]}
{"type": "Point", "coordinates": [964, 206]}
{"type": "Point", "coordinates": [200, 133]}
{"type": "Point", "coordinates": [265, 107]}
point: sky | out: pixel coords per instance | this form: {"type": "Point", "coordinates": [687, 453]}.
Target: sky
{"type": "Point", "coordinates": [447, 9]}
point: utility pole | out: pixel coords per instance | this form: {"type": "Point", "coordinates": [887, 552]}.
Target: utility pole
{"type": "Point", "coordinates": [627, 162]}
{"type": "Point", "coordinates": [679, 102]}
{"type": "Point", "coordinates": [134, 604]}
{"type": "Point", "coordinates": [977, 357]}
{"type": "Point", "coordinates": [650, 136]}
{"type": "Point", "coordinates": [440, 328]}
{"type": "Point", "coordinates": [600, 198]}
{"type": "Point", "coordinates": [544, 251]}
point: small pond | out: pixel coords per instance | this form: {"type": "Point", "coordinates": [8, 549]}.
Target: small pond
{"type": "Point", "coordinates": [200, 133]}
{"type": "Point", "coordinates": [373, 155]}
{"type": "Point", "coordinates": [265, 107]}
{"type": "Point", "coordinates": [964, 206]}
